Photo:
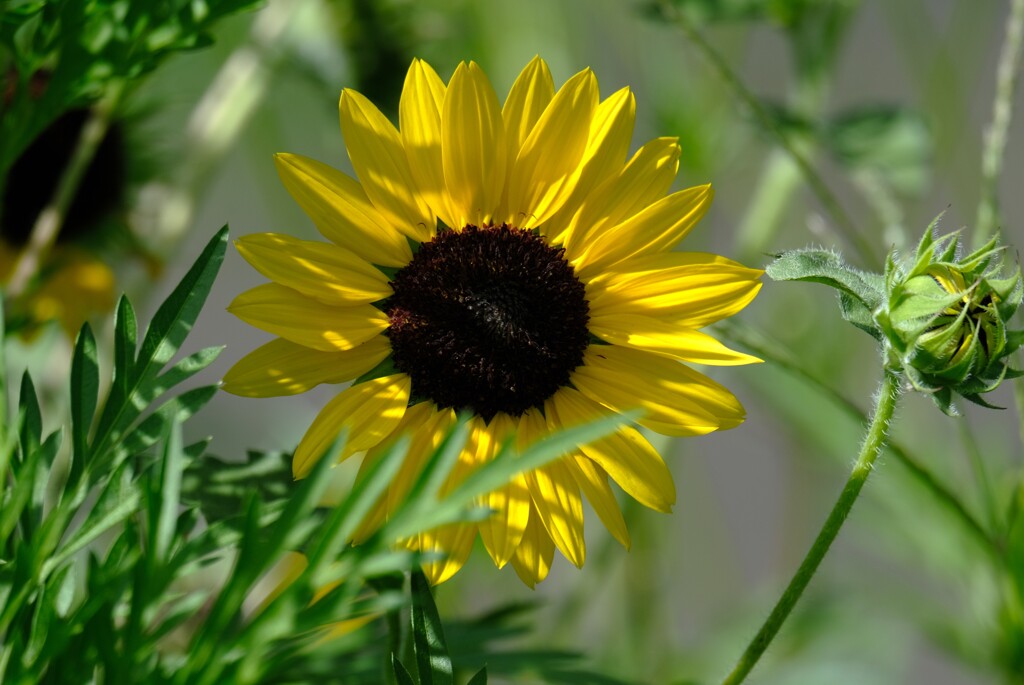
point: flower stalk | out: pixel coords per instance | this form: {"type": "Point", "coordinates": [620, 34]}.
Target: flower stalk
{"type": "Point", "coordinates": [877, 433]}
{"type": "Point", "coordinates": [51, 219]}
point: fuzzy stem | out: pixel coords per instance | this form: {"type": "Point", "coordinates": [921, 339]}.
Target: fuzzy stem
{"type": "Point", "coordinates": [885, 405]}
{"type": "Point", "coordinates": [826, 197]}
{"type": "Point", "coordinates": [995, 136]}
{"type": "Point", "coordinates": [49, 222]}
{"type": "Point", "coordinates": [769, 350]}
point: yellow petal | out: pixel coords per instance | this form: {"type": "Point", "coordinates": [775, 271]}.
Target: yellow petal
{"type": "Point", "coordinates": [473, 146]}
{"type": "Point", "coordinates": [543, 171]}
{"type": "Point", "coordinates": [526, 101]}
{"type": "Point", "coordinates": [276, 580]}
{"type": "Point", "coordinates": [556, 499]}
{"type": "Point", "coordinates": [454, 542]}
{"type": "Point", "coordinates": [320, 270]}
{"type": "Point", "coordinates": [333, 631]}
{"type": "Point", "coordinates": [281, 367]}
{"type": "Point", "coordinates": [626, 455]}
{"type": "Point", "coordinates": [656, 229]}
{"type": "Point", "coordinates": [688, 288]}
{"type": "Point", "coordinates": [665, 338]}
{"type": "Point", "coordinates": [341, 210]}
{"type": "Point", "coordinates": [503, 530]}
{"type": "Point", "coordinates": [379, 160]}
{"type": "Point", "coordinates": [676, 399]}
{"type": "Point", "coordinates": [76, 286]}
{"type": "Point", "coordinates": [419, 118]}
{"type": "Point", "coordinates": [377, 515]}
{"type": "Point", "coordinates": [383, 507]}
{"type": "Point", "coordinates": [368, 411]}
{"type": "Point", "coordinates": [554, 492]}
{"type": "Point", "coordinates": [593, 481]}
{"type": "Point", "coordinates": [427, 426]}
{"type": "Point", "coordinates": [535, 552]}
{"type": "Point", "coordinates": [611, 131]}
{"type": "Point", "coordinates": [644, 180]}
{"type": "Point", "coordinates": [293, 316]}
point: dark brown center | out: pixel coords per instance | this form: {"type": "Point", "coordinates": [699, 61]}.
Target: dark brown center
{"type": "Point", "coordinates": [487, 320]}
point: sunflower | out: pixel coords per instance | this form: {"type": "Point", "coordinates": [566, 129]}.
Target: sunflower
{"type": "Point", "coordinates": [511, 263]}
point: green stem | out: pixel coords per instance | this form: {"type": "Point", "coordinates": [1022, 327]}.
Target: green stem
{"type": "Point", "coordinates": [885, 405]}
{"type": "Point", "coordinates": [234, 95]}
{"type": "Point", "coordinates": [826, 197]}
{"type": "Point", "coordinates": [769, 350]}
{"type": "Point", "coordinates": [49, 222]}
{"type": "Point", "coordinates": [995, 136]}
{"type": "Point", "coordinates": [780, 179]}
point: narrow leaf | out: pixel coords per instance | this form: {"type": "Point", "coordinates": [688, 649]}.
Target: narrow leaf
{"type": "Point", "coordinates": [402, 676]}
{"type": "Point", "coordinates": [125, 347]}
{"type": "Point", "coordinates": [171, 324]}
{"type": "Point", "coordinates": [155, 426]}
{"type": "Point", "coordinates": [170, 492]}
{"type": "Point", "coordinates": [31, 423]}
{"type": "Point", "coordinates": [173, 320]}
{"type": "Point", "coordinates": [432, 659]}
{"type": "Point", "coordinates": [85, 385]}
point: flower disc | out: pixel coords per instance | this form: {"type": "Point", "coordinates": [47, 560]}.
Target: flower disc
{"type": "Point", "coordinates": [488, 320]}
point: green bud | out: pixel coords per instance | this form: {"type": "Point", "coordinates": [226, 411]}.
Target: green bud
{"type": "Point", "coordinates": [944, 320]}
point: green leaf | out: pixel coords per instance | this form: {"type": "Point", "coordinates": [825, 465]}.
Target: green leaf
{"type": "Point", "coordinates": [480, 678]}
{"type": "Point", "coordinates": [258, 551]}
{"type": "Point", "coordinates": [125, 348]}
{"type": "Point", "coordinates": [894, 143]}
{"type": "Point", "coordinates": [432, 659]}
{"type": "Point", "coordinates": [171, 324]}
{"type": "Point", "coordinates": [173, 320]}
{"type": "Point", "coordinates": [345, 519]}
{"type": "Point", "coordinates": [4, 452]}
{"type": "Point", "coordinates": [168, 497]}
{"type": "Point", "coordinates": [823, 266]}
{"type": "Point", "coordinates": [426, 513]}
{"type": "Point", "coordinates": [402, 676]}
{"type": "Point", "coordinates": [854, 311]}
{"type": "Point", "coordinates": [219, 487]}
{"type": "Point", "coordinates": [31, 423]}
{"type": "Point", "coordinates": [507, 463]}
{"type": "Point", "coordinates": [118, 500]}
{"type": "Point", "coordinates": [85, 385]}
{"type": "Point", "coordinates": [186, 368]}
{"type": "Point", "coordinates": [156, 425]}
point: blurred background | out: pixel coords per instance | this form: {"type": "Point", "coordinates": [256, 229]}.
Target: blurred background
{"type": "Point", "coordinates": [887, 99]}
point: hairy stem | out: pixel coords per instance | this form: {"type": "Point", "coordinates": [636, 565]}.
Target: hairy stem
{"type": "Point", "coordinates": [995, 135]}
{"type": "Point", "coordinates": [49, 222]}
{"type": "Point", "coordinates": [826, 197]}
{"type": "Point", "coordinates": [885, 405]}
{"type": "Point", "coordinates": [769, 350]}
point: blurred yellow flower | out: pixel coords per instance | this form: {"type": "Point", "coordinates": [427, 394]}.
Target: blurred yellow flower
{"type": "Point", "coordinates": [73, 286]}
{"type": "Point", "coordinates": [509, 262]}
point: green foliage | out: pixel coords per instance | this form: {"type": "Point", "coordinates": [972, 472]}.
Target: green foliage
{"type": "Point", "coordinates": [112, 573]}
{"type": "Point", "coordinates": [433, 663]}
{"type": "Point", "coordinates": [70, 54]}
{"type": "Point", "coordinates": [47, 542]}
{"type": "Point", "coordinates": [499, 640]}
{"type": "Point", "coordinates": [942, 320]}
{"type": "Point", "coordinates": [890, 142]}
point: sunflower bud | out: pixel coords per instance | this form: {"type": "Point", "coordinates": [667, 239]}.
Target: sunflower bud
{"type": "Point", "coordinates": [941, 320]}
{"type": "Point", "coordinates": [944, 320]}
